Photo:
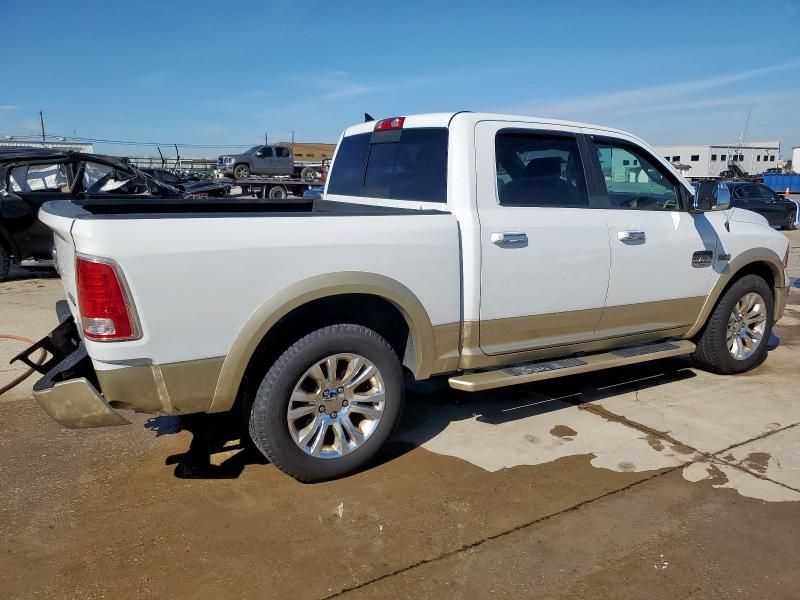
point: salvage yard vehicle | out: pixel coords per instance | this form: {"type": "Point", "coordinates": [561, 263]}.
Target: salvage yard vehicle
{"type": "Point", "coordinates": [778, 211]}
{"type": "Point", "coordinates": [196, 185]}
{"type": "Point", "coordinates": [491, 249]}
{"type": "Point", "coordinates": [29, 177]}
{"type": "Point", "coordinates": [267, 160]}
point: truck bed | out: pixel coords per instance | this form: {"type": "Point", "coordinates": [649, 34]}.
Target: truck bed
{"type": "Point", "coordinates": [105, 208]}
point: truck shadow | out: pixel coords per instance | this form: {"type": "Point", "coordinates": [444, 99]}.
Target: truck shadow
{"type": "Point", "coordinates": [214, 436]}
{"type": "Point", "coordinates": [221, 449]}
{"type": "Point", "coordinates": [220, 446]}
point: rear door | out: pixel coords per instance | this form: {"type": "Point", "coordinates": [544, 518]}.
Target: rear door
{"type": "Point", "coordinates": [544, 248]}
{"type": "Point", "coordinates": [661, 254]}
{"type": "Point", "coordinates": [283, 163]}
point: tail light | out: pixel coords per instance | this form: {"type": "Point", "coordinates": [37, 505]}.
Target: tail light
{"type": "Point", "coordinates": [103, 301]}
{"type": "Point", "coordinates": [387, 124]}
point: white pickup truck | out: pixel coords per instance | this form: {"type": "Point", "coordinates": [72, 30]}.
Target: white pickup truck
{"type": "Point", "coordinates": [491, 249]}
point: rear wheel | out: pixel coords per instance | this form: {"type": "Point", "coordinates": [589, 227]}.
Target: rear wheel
{"type": "Point", "coordinates": [735, 337]}
{"type": "Point", "coordinates": [241, 171]}
{"type": "Point", "coordinates": [5, 262]}
{"type": "Point", "coordinates": [308, 173]}
{"type": "Point", "coordinates": [329, 403]}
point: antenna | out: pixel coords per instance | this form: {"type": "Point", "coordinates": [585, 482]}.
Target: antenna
{"type": "Point", "coordinates": [746, 125]}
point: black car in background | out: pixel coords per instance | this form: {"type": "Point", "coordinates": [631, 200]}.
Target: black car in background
{"type": "Point", "coordinates": [764, 201]}
{"type": "Point", "coordinates": [29, 177]}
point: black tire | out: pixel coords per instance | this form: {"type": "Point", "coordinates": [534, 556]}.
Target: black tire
{"type": "Point", "coordinates": [5, 262]}
{"type": "Point", "coordinates": [790, 223]}
{"type": "Point", "coordinates": [278, 192]}
{"type": "Point", "coordinates": [241, 171]}
{"type": "Point", "coordinates": [267, 422]}
{"type": "Point", "coordinates": [308, 173]}
{"type": "Point", "coordinates": [712, 352]}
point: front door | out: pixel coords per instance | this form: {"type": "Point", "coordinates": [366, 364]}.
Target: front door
{"type": "Point", "coordinates": [30, 186]}
{"type": "Point", "coordinates": [262, 162]}
{"type": "Point", "coordinates": [544, 249]}
{"type": "Point", "coordinates": [662, 255]}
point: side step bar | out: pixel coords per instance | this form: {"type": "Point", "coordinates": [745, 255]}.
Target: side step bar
{"type": "Point", "coordinates": [550, 369]}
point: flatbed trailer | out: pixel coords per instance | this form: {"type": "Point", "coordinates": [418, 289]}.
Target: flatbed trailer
{"type": "Point", "coordinates": [275, 188]}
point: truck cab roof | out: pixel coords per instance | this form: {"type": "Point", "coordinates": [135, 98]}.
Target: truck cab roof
{"type": "Point", "coordinates": [447, 119]}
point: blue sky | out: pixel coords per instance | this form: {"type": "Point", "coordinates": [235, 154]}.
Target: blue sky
{"type": "Point", "coordinates": [225, 72]}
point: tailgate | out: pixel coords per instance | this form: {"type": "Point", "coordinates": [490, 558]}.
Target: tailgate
{"type": "Point", "coordinates": [60, 218]}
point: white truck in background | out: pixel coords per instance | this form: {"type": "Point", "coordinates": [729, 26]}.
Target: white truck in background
{"type": "Point", "coordinates": [491, 249]}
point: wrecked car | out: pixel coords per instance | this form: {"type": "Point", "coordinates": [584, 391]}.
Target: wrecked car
{"type": "Point", "coordinates": [194, 185]}
{"type": "Point", "coordinates": [29, 177]}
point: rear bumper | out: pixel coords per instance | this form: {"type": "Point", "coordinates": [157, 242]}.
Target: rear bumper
{"type": "Point", "coordinates": [68, 394]}
{"type": "Point", "coordinates": [77, 395]}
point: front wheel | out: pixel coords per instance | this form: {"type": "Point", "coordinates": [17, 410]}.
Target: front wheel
{"type": "Point", "coordinates": [329, 403]}
{"type": "Point", "coordinates": [241, 171]}
{"type": "Point", "coordinates": [735, 337]}
{"type": "Point", "coordinates": [790, 222]}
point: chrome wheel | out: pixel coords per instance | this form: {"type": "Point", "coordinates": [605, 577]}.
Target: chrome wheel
{"type": "Point", "coordinates": [746, 326]}
{"type": "Point", "coordinates": [336, 405]}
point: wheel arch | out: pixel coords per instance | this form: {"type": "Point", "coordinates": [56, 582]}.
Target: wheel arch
{"type": "Point", "coordinates": [756, 261]}
{"type": "Point", "coordinates": [418, 355]}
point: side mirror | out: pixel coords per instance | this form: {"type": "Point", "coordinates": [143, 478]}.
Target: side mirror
{"type": "Point", "coordinates": [711, 195]}
{"type": "Point", "coordinates": [260, 153]}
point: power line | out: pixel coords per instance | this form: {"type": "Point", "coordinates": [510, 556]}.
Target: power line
{"type": "Point", "coordinates": [67, 138]}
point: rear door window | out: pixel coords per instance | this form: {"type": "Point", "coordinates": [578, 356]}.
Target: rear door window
{"type": "Point", "coordinates": [536, 169]}
{"type": "Point", "coordinates": [407, 165]}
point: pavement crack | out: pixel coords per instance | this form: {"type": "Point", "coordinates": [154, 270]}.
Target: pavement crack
{"type": "Point", "coordinates": [606, 414]}
{"type": "Point", "coordinates": [501, 534]}
{"type": "Point", "coordinates": [711, 457]}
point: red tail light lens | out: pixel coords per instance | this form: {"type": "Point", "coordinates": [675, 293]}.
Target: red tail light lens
{"type": "Point", "coordinates": [104, 306]}
{"type": "Point", "coordinates": [386, 124]}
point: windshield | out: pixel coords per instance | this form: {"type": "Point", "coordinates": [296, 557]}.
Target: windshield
{"type": "Point", "coordinates": [253, 150]}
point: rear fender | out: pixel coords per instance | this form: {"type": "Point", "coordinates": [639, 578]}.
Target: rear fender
{"type": "Point", "coordinates": [421, 362]}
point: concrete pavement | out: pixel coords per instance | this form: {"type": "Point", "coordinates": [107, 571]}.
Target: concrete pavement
{"type": "Point", "coordinates": [657, 480]}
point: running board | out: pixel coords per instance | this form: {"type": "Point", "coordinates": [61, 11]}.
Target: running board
{"type": "Point", "coordinates": [550, 369]}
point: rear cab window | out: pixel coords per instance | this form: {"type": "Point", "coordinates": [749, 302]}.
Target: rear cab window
{"type": "Point", "coordinates": [405, 164]}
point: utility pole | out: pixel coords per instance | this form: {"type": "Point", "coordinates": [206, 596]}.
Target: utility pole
{"type": "Point", "coordinates": [266, 139]}
{"type": "Point", "coordinates": [293, 142]}
{"type": "Point", "coordinates": [41, 120]}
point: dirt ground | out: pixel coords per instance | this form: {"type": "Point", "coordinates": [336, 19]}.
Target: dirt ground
{"type": "Point", "coordinates": [657, 481]}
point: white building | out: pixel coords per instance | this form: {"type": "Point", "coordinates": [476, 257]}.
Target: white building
{"type": "Point", "coordinates": [10, 142]}
{"type": "Point", "coordinates": [709, 160]}
{"type": "Point", "coordinates": [796, 159]}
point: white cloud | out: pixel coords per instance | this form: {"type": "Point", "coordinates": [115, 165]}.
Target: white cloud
{"type": "Point", "coordinates": [646, 98]}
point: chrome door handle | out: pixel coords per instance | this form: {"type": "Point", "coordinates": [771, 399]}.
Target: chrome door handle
{"type": "Point", "coordinates": [631, 236]}
{"type": "Point", "coordinates": [509, 238]}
